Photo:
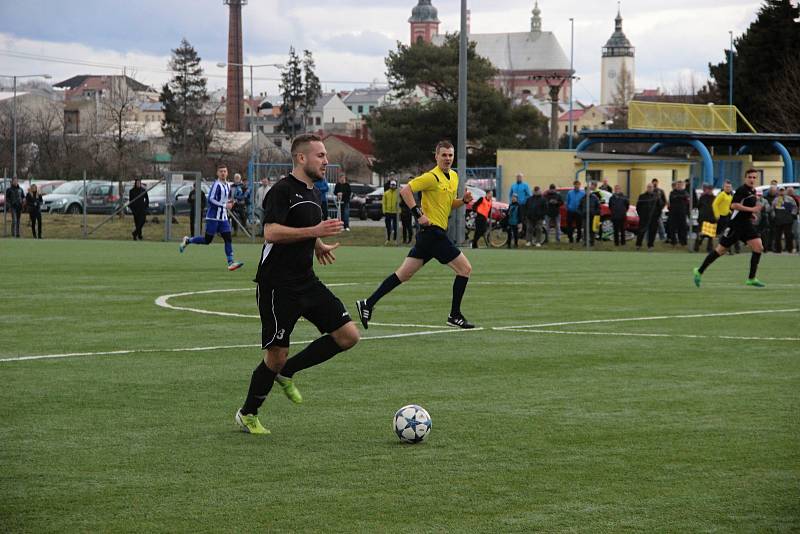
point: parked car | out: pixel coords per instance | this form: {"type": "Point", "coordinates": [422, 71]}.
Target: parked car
{"type": "Point", "coordinates": [104, 197]}
{"type": "Point", "coordinates": [181, 202]}
{"type": "Point", "coordinates": [66, 198]}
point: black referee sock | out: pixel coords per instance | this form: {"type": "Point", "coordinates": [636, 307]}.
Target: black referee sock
{"type": "Point", "coordinates": [260, 384]}
{"type": "Point", "coordinates": [712, 256]}
{"type": "Point", "coordinates": [386, 286]}
{"type": "Point", "coordinates": [319, 351]}
{"type": "Point", "coordinates": [459, 286]}
{"type": "Point", "coordinates": [754, 259]}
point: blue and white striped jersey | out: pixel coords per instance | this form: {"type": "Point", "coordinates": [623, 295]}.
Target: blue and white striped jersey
{"type": "Point", "coordinates": [217, 199]}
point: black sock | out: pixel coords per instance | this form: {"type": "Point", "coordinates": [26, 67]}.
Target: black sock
{"type": "Point", "coordinates": [754, 259]}
{"type": "Point", "coordinates": [713, 255]}
{"type": "Point", "coordinates": [319, 351]}
{"type": "Point", "coordinates": [386, 286]}
{"type": "Point", "coordinates": [459, 286]}
{"type": "Point", "coordinates": [260, 384]}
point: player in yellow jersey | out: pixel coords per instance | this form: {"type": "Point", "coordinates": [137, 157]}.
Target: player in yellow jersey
{"type": "Point", "coordinates": [439, 188]}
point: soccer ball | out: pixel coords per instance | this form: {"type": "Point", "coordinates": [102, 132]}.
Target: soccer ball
{"type": "Point", "coordinates": [412, 423]}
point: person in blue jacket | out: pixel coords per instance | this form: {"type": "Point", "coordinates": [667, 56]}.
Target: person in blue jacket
{"type": "Point", "coordinates": [322, 187]}
{"type": "Point", "coordinates": [574, 220]}
{"type": "Point", "coordinates": [523, 191]}
{"type": "Point", "coordinates": [513, 218]}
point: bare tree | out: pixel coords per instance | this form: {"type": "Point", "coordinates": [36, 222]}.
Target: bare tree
{"type": "Point", "coordinates": [623, 93]}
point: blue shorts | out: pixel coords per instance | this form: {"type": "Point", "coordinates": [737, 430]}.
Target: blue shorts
{"type": "Point", "coordinates": [433, 242]}
{"type": "Point", "coordinates": [217, 227]}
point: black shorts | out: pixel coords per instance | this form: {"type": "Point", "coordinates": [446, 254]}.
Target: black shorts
{"type": "Point", "coordinates": [735, 232]}
{"type": "Point", "coordinates": [281, 307]}
{"type": "Point", "coordinates": [432, 242]}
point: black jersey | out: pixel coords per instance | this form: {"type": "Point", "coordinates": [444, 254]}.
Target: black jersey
{"type": "Point", "coordinates": [746, 196]}
{"type": "Point", "coordinates": [292, 203]}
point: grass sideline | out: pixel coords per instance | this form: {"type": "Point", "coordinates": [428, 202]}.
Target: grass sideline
{"type": "Point", "coordinates": [532, 431]}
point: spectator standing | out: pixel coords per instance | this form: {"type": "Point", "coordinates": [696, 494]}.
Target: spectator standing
{"type": "Point", "coordinates": [192, 214]}
{"type": "Point", "coordinates": [722, 211]}
{"type": "Point", "coordinates": [523, 191]}
{"type": "Point", "coordinates": [678, 212]}
{"type": "Point", "coordinates": [535, 210]}
{"type": "Point", "coordinates": [647, 206]}
{"type": "Point", "coordinates": [553, 215]}
{"type": "Point", "coordinates": [593, 189]}
{"type": "Point", "coordinates": [343, 193]}
{"type": "Point", "coordinates": [574, 221]}
{"type": "Point", "coordinates": [785, 209]}
{"type": "Point", "coordinates": [604, 185]}
{"type": "Point", "coordinates": [705, 214]}
{"type": "Point", "coordinates": [483, 210]}
{"type": "Point", "coordinates": [15, 196]}
{"type": "Point", "coordinates": [405, 220]}
{"type": "Point", "coordinates": [261, 193]}
{"type": "Point", "coordinates": [241, 205]}
{"type": "Point", "coordinates": [513, 219]}
{"type": "Point", "coordinates": [138, 202]}
{"type": "Point", "coordinates": [761, 219]}
{"type": "Point", "coordinates": [662, 203]}
{"type": "Point", "coordinates": [33, 205]}
{"type": "Point", "coordinates": [390, 197]}
{"type": "Point", "coordinates": [796, 224]}
{"type": "Point", "coordinates": [770, 195]}
{"type": "Point", "coordinates": [323, 187]}
{"type": "Point", "coordinates": [618, 204]}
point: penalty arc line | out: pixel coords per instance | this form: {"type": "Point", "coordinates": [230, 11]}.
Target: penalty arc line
{"type": "Point", "coordinates": [219, 347]}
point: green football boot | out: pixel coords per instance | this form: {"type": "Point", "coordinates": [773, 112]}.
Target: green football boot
{"type": "Point", "coordinates": [755, 282]}
{"type": "Point", "coordinates": [250, 424]}
{"type": "Point", "coordinates": [697, 276]}
{"type": "Point", "coordinates": [289, 389]}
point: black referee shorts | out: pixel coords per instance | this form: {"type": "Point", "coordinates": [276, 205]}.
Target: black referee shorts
{"type": "Point", "coordinates": [281, 307]}
{"type": "Point", "coordinates": [736, 232]}
{"type": "Point", "coordinates": [433, 242]}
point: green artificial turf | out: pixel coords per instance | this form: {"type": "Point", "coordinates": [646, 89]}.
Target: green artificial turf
{"type": "Point", "coordinates": [560, 428]}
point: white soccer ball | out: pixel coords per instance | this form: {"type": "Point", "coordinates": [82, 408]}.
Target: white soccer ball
{"type": "Point", "coordinates": [412, 423]}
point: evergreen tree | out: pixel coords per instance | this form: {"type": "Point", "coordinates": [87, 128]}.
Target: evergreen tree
{"type": "Point", "coordinates": [292, 90]}
{"type": "Point", "coordinates": [185, 99]}
{"type": "Point", "coordinates": [762, 56]}
{"type": "Point", "coordinates": [312, 89]}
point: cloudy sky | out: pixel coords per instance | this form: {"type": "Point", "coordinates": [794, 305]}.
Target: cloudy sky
{"type": "Point", "coordinates": [349, 38]}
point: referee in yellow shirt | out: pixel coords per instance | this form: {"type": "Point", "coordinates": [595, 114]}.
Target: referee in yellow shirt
{"type": "Point", "coordinates": [439, 187]}
{"type": "Point", "coordinates": [722, 210]}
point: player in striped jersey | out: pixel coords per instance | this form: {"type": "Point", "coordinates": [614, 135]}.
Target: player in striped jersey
{"type": "Point", "coordinates": [219, 202]}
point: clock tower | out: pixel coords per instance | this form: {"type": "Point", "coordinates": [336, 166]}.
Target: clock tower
{"type": "Point", "coordinates": [618, 60]}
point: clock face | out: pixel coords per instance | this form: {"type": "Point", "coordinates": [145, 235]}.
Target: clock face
{"type": "Point", "coordinates": [612, 74]}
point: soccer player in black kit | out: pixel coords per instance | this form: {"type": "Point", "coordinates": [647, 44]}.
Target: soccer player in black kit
{"type": "Point", "coordinates": [287, 286]}
{"type": "Point", "coordinates": [743, 207]}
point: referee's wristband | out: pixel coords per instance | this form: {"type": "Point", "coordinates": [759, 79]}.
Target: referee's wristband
{"type": "Point", "coordinates": [416, 212]}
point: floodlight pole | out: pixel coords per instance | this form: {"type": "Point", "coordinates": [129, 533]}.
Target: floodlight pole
{"type": "Point", "coordinates": [571, 72]}
{"type": "Point", "coordinates": [458, 232]}
{"type": "Point", "coordinates": [730, 71]}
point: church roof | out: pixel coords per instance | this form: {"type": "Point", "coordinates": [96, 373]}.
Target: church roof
{"type": "Point", "coordinates": [519, 50]}
{"type": "Point", "coordinates": [424, 12]}
{"type": "Point", "coordinates": [618, 44]}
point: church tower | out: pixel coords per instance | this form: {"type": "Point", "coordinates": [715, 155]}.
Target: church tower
{"type": "Point", "coordinates": [536, 19]}
{"type": "Point", "coordinates": [424, 22]}
{"type": "Point", "coordinates": [618, 57]}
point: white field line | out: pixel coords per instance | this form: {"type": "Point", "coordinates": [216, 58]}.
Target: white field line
{"type": "Point", "coordinates": [220, 347]}
{"type": "Point", "coordinates": [652, 318]}
{"type": "Point", "coordinates": [630, 334]}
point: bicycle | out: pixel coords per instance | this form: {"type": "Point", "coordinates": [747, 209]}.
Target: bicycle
{"type": "Point", "coordinates": [496, 235]}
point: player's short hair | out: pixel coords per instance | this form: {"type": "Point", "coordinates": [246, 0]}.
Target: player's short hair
{"type": "Point", "coordinates": [221, 165]}
{"type": "Point", "coordinates": [444, 143]}
{"type": "Point", "coordinates": [750, 171]}
{"type": "Point", "coordinates": [302, 141]}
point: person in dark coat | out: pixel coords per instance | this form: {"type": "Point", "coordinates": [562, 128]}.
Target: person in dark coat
{"type": "Point", "coordinates": [15, 196]}
{"type": "Point", "coordinates": [705, 214]}
{"type": "Point", "coordinates": [191, 201]}
{"type": "Point", "coordinates": [33, 205]}
{"type": "Point", "coordinates": [594, 211]}
{"type": "Point", "coordinates": [138, 201]}
{"type": "Point", "coordinates": [535, 211]}
{"type": "Point", "coordinates": [618, 204]}
{"type": "Point", "coordinates": [678, 212]}
{"type": "Point", "coordinates": [554, 203]}
{"type": "Point", "coordinates": [648, 206]}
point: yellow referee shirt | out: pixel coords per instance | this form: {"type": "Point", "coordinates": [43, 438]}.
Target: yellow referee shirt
{"type": "Point", "coordinates": [438, 194]}
{"type": "Point", "coordinates": [722, 204]}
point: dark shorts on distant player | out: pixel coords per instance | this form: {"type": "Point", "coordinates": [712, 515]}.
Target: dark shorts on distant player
{"type": "Point", "coordinates": [736, 232]}
{"type": "Point", "coordinates": [217, 227]}
{"type": "Point", "coordinates": [433, 242]}
{"type": "Point", "coordinates": [281, 307]}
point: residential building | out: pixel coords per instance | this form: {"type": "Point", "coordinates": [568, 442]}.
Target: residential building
{"type": "Point", "coordinates": [355, 155]}
{"type": "Point", "coordinates": [330, 112]}
{"type": "Point", "coordinates": [362, 101]}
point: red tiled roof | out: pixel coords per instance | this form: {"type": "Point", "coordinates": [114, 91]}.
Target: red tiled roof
{"type": "Point", "coordinates": [576, 114]}
{"type": "Point", "coordinates": [364, 146]}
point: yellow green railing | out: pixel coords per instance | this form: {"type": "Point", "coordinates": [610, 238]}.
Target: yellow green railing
{"type": "Point", "coordinates": [684, 117]}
